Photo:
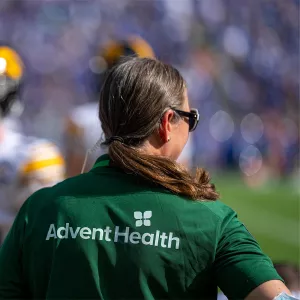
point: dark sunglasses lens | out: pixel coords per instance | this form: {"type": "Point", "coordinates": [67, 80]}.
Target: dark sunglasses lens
{"type": "Point", "coordinates": [193, 122]}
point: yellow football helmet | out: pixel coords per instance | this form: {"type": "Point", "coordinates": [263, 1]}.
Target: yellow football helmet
{"type": "Point", "coordinates": [134, 46]}
{"type": "Point", "coordinates": [11, 74]}
{"type": "Point", "coordinates": [111, 53]}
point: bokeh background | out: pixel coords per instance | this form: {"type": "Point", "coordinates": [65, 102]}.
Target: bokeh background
{"type": "Point", "coordinates": [240, 60]}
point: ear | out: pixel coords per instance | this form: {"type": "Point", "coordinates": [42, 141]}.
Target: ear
{"type": "Point", "coordinates": [166, 125]}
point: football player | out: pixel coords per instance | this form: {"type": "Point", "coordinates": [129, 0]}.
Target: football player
{"type": "Point", "coordinates": [26, 163]}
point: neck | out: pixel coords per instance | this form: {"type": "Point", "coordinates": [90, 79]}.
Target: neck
{"type": "Point", "coordinates": [151, 147]}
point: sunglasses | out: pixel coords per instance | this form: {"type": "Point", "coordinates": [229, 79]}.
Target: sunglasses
{"type": "Point", "coordinates": [193, 117]}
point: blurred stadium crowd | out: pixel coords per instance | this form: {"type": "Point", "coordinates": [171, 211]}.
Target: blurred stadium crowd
{"type": "Point", "coordinates": [240, 59]}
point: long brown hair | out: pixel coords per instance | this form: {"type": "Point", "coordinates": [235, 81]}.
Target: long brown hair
{"type": "Point", "coordinates": [134, 96]}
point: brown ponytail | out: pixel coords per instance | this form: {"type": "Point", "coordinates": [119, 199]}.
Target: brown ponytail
{"type": "Point", "coordinates": [134, 95]}
{"type": "Point", "coordinates": [164, 172]}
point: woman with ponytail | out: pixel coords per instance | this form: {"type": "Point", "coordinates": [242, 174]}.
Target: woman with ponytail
{"type": "Point", "coordinates": [138, 225]}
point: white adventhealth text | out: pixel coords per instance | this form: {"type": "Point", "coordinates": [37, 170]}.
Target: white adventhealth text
{"type": "Point", "coordinates": [116, 235]}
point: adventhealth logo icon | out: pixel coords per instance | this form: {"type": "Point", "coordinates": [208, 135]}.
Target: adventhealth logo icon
{"type": "Point", "coordinates": [142, 218]}
{"type": "Point", "coordinates": [118, 234]}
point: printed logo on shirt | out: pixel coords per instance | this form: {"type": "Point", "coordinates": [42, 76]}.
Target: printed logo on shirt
{"type": "Point", "coordinates": [142, 218]}
{"type": "Point", "coordinates": [118, 234]}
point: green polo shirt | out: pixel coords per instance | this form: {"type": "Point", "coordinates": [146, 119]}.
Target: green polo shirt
{"type": "Point", "coordinates": [111, 235]}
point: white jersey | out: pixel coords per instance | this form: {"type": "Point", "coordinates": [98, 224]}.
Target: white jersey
{"type": "Point", "coordinates": [84, 130]}
{"type": "Point", "coordinates": [84, 124]}
{"type": "Point", "coordinates": [26, 165]}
